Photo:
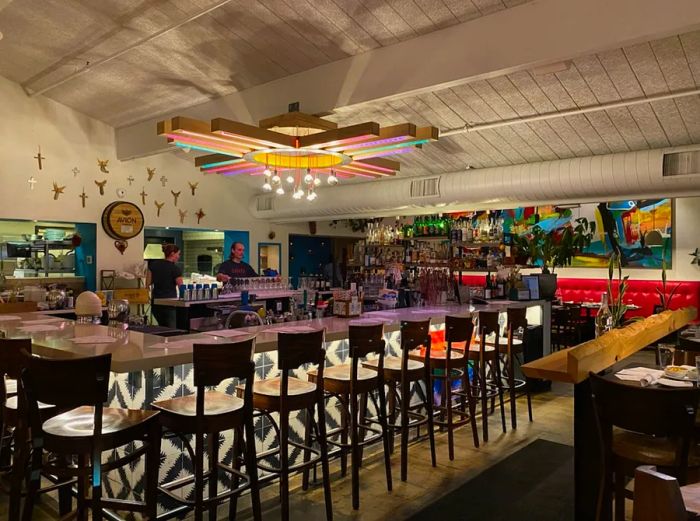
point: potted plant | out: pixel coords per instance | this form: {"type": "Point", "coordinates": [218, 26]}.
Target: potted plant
{"type": "Point", "coordinates": [665, 296]}
{"type": "Point", "coordinates": [554, 249]}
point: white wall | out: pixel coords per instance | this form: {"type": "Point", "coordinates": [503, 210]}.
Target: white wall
{"type": "Point", "coordinates": [69, 139]}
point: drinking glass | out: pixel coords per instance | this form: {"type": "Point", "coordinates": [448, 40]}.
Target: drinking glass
{"type": "Point", "coordinates": [666, 354]}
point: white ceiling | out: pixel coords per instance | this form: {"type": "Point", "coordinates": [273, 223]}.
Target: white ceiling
{"type": "Point", "coordinates": [241, 44]}
{"type": "Point", "coordinates": [249, 43]}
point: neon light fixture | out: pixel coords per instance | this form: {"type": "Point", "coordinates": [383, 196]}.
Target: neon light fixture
{"type": "Point", "coordinates": [296, 148]}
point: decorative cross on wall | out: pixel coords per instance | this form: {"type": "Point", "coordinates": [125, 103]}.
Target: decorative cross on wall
{"type": "Point", "coordinates": [39, 157]}
{"type": "Point", "coordinates": [75, 171]}
{"type": "Point", "coordinates": [130, 179]}
{"type": "Point", "coordinates": [32, 182]}
{"type": "Point", "coordinates": [143, 195]}
{"type": "Point", "coordinates": [83, 196]}
{"type": "Point", "coordinates": [163, 179]}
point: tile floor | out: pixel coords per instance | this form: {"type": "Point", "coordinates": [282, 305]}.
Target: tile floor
{"type": "Point", "coordinates": [553, 415]}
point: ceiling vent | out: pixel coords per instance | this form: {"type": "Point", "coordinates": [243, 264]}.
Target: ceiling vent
{"type": "Point", "coordinates": [426, 187]}
{"type": "Point", "coordinates": [682, 163]}
{"type": "Point", "coordinates": [266, 204]}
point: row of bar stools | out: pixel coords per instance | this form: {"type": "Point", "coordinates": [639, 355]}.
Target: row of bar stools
{"type": "Point", "coordinates": [515, 335]}
{"type": "Point", "coordinates": [210, 413]}
{"type": "Point", "coordinates": [85, 431]}
{"type": "Point", "coordinates": [399, 373]}
{"type": "Point", "coordinates": [350, 384]}
{"type": "Point", "coordinates": [286, 394]}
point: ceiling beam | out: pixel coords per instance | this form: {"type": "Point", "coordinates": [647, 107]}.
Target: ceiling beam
{"type": "Point", "coordinates": [523, 37]}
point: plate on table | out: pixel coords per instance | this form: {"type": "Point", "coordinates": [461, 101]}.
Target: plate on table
{"type": "Point", "coordinates": [679, 372]}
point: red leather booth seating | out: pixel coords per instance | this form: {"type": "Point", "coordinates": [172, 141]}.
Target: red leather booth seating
{"type": "Point", "coordinates": [640, 292]}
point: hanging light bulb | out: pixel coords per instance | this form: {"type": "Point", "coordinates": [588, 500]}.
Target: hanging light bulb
{"type": "Point", "coordinates": [317, 181]}
{"type": "Point", "coordinates": [290, 179]}
{"type": "Point", "coordinates": [280, 190]}
{"type": "Point", "coordinates": [311, 195]}
{"type": "Point", "coordinates": [308, 178]}
{"type": "Point", "coordinates": [276, 179]}
{"type": "Point", "coordinates": [332, 179]}
{"type": "Point", "coordinates": [267, 187]}
{"type": "Point", "coordinates": [267, 172]}
{"type": "Point", "coordinates": [298, 194]}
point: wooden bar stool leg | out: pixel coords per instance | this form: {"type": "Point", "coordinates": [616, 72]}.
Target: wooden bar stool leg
{"type": "Point", "coordinates": [96, 491]}
{"type": "Point", "coordinates": [448, 405]}
{"type": "Point", "coordinates": [65, 498]}
{"type": "Point", "coordinates": [619, 484]}
{"type": "Point", "coordinates": [362, 421]}
{"type": "Point", "coordinates": [355, 448]}
{"type": "Point", "coordinates": [236, 464]}
{"type": "Point", "coordinates": [33, 482]}
{"type": "Point", "coordinates": [344, 425]}
{"type": "Point", "coordinates": [213, 450]}
{"type": "Point", "coordinates": [284, 462]}
{"type": "Point", "coordinates": [484, 398]}
{"type": "Point", "coordinates": [19, 465]}
{"type": "Point", "coordinates": [430, 413]}
{"type": "Point", "coordinates": [152, 468]}
{"type": "Point", "coordinates": [381, 413]}
{"type": "Point", "coordinates": [405, 397]}
{"type": "Point", "coordinates": [82, 514]}
{"type": "Point", "coordinates": [198, 475]}
{"type": "Point", "coordinates": [392, 412]}
{"type": "Point", "coordinates": [308, 414]}
{"type": "Point", "coordinates": [499, 387]}
{"type": "Point", "coordinates": [511, 385]}
{"type": "Point", "coordinates": [467, 387]}
{"type": "Point", "coordinates": [321, 406]}
{"type": "Point", "coordinates": [251, 468]}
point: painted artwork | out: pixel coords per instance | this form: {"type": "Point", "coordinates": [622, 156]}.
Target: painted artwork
{"type": "Point", "coordinates": [640, 229]}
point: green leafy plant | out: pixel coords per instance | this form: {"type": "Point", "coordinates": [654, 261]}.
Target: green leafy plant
{"type": "Point", "coordinates": [616, 299]}
{"type": "Point", "coordinates": [556, 248]}
{"type": "Point", "coordinates": [665, 296]}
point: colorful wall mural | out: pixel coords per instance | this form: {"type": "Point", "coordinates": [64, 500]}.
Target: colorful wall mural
{"type": "Point", "coordinates": [640, 229]}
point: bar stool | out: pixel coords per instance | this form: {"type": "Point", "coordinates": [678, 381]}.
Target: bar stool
{"type": "Point", "coordinates": [483, 353]}
{"type": "Point", "coordinates": [211, 412]}
{"type": "Point", "coordinates": [86, 430]}
{"type": "Point", "coordinates": [285, 394]}
{"type": "Point", "coordinates": [452, 362]}
{"type": "Point", "coordinates": [399, 373]}
{"type": "Point", "coordinates": [351, 384]}
{"type": "Point", "coordinates": [517, 322]}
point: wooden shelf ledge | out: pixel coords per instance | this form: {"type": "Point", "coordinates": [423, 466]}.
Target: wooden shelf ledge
{"type": "Point", "coordinates": [572, 365]}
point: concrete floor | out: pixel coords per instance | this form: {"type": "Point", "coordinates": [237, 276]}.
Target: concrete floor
{"type": "Point", "coordinates": [553, 420]}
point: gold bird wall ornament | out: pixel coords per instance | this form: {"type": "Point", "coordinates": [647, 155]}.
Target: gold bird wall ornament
{"type": "Point", "coordinates": [175, 195]}
{"type": "Point", "coordinates": [57, 190]}
{"type": "Point", "coordinates": [103, 163]}
{"type": "Point", "coordinates": [101, 186]}
{"type": "Point", "coordinates": [183, 214]}
{"type": "Point", "coordinates": [193, 186]}
{"type": "Point", "coordinates": [159, 206]}
{"type": "Point", "coordinates": [200, 215]}
{"type": "Point", "coordinates": [151, 172]}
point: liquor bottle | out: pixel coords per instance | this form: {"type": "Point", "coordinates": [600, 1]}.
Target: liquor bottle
{"type": "Point", "coordinates": [487, 290]}
{"type": "Point", "coordinates": [603, 320]}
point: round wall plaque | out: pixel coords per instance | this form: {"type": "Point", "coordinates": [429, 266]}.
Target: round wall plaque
{"type": "Point", "coordinates": [122, 220]}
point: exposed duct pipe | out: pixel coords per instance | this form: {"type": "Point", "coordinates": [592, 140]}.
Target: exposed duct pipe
{"type": "Point", "coordinates": [630, 175]}
{"type": "Point", "coordinates": [572, 112]}
{"type": "Point", "coordinates": [123, 51]}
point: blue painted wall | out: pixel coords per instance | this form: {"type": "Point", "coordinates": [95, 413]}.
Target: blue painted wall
{"type": "Point", "coordinates": [87, 248]}
{"type": "Point", "coordinates": [309, 253]}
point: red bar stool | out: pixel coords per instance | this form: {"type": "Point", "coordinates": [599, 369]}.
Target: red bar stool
{"type": "Point", "coordinates": [484, 354]}
{"type": "Point", "coordinates": [285, 394]}
{"type": "Point", "coordinates": [399, 373]}
{"type": "Point", "coordinates": [86, 430]}
{"type": "Point", "coordinates": [351, 384]}
{"type": "Point", "coordinates": [210, 413]}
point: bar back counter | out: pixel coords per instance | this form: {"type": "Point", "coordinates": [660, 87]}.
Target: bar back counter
{"type": "Point", "coordinates": [146, 368]}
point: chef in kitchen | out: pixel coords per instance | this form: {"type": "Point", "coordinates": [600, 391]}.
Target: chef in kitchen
{"type": "Point", "coordinates": [235, 267]}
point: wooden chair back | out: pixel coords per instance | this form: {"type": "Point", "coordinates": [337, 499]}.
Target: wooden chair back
{"type": "Point", "coordinates": [297, 349]}
{"type": "Point", "coordinates": [657, 497]}
{"type": "Point", "coordinates": [363, 341]}
{"type": "Point", "coordinates": [12, 361]}
{"type": "Point", "coordinates": [414, 334]}
{"type": "Point", "coordinates": [658, 412]}
{"type": "Point", "coordinates": [457, 330]}
{"type": "Point", "coordinates": [517, 319]}
{"type": "Point", "coordinates": [216, 362]}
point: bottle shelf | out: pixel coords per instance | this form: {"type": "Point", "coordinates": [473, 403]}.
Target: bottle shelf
{"type": "Point", "coordinates": [477, 245]}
